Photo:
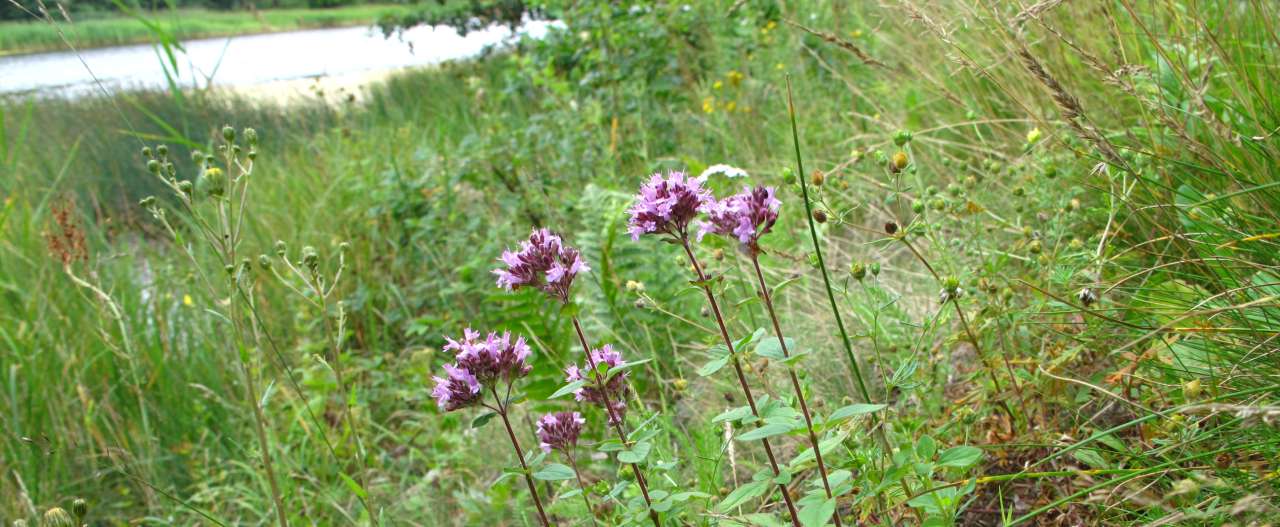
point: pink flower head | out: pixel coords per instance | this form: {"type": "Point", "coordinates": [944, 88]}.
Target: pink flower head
{"type": "Point", "coordinates": [667, 205]}
{"type": "Point", "coordinates": [746, 216]}
{"type": "Point", "coordinates": [494, 357]}
{"type": "Point", "coordinates": [543, 261]}
{"type": "Point", "coordinates": [457, 389]}
{"type": "Point", "coordinates": [615, 388]}
{"type": "Point", "coordinates": [560, 430]}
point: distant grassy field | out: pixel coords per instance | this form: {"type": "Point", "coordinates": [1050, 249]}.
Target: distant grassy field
{"type": "Point", "coordinates": [35, 36]}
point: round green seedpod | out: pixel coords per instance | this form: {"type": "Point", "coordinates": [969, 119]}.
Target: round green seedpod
{"type": "Point", "coordinates": [875, 268]}
{"type": "Point", "coordinates": [1192, 389]}
{"type": "Point", "coordinates": [902, 137]}
{"type": "Point", "coordinates": [1050, 172]}
{"type": "Point", "coordinates": [1076, 244]}
{"type": "Point", "coordinates": [917, 207]}
{"type": "Point", "coordinates": [281, 247]}
{"type": "Point", "coordinates": [1035, 247]}
{"type": "Point", "coordinates": [970, 182]}
{"type": "Point", "coordinates": [858, 270]}
{"type": "Point", "coordinates": [153, 166]}
{"type": "Point", "coordinates": [229, 134]}
{"type": "Point", "coordinates": [955, 190]}
{"type": "Point", "coordinates": [788, 176]}
{"type": "Point", "coordinates": [951, 282]}
{"type": "Point", "coordinates": [931, 190]}
{"type": "Point", "coordinates": [197, 156]}
{"type": "Point", "coordinates": [185, 187]}
{"type": "Point", "coordinates": [938, 204]}
{"type": "Point", "coordinates": [1019, 191]}
{"type": "Point", "coordinates": [162, 151]}
{"type": "Point", "coordinates": [146, 152]}
{"type": "Point", "coordinates": [57, 517]}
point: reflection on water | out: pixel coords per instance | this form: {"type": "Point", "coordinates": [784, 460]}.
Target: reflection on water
{"type": "Point", "coordinates": [246, 60]}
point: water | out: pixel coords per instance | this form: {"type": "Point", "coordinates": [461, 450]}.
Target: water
{"type": "Point", "coordinates": [246, 60]}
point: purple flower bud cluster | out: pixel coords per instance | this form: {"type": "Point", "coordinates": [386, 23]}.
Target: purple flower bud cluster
{"type": "Point", "coordinates": [667, 205]}
{"type": "Point", "coordinates": [457, 389]}
{"type": "Point", "coordinates": [478, 362]}
{"type": "Point", "coordinates": [560, 431]}
{"type": "Point", "coordinates": [615, 389]}
{"type": "Point", "coordinates": [543, 261]}
{"type": "Point", "coordinates": [746, 216]}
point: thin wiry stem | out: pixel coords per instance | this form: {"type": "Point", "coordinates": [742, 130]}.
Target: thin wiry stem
{"type": "Point", "coordinates": [501, 410]}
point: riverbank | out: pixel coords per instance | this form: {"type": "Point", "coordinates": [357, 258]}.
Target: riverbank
{"type": "Point", "coordinates": [116, 30]}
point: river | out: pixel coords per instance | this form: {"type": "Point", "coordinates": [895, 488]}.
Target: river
{"type": "Point", "coordinates": [245, 61]}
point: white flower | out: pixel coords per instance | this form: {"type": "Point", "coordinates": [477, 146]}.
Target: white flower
{"type": "Point", "coordinates": [727, 170]}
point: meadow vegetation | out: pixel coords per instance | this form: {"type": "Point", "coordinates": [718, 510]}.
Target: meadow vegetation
{"type": "Point", "coordinates": [1023, 271]}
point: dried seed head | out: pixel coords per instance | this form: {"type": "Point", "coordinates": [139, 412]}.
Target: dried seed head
{"type": "Point", "coordinates": [1087, 296]}
{"type": "Point", "coordinates": [818, 178]}
{"type": "Point", "coordinates": [891, 228]}
{"type": "Point", "coordinates": [819, 216]}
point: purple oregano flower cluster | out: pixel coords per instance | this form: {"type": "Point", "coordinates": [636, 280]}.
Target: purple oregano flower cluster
{"type": "Point", "coordinates": [746, 216]}
{"type": "Point", "coordinates": [615, 389]}
{"type": "Point", "coordinates": [478, 362]}
{"type": "Point", "coordinates": [559, 430]}
{"type": "Point", "coordinates": [543, 261]}
{"type": "Point", "coordinates": [667, 205]}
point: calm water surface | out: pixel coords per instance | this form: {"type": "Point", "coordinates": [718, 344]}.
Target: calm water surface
{"type": "Point", "coordinates": [245, 60]}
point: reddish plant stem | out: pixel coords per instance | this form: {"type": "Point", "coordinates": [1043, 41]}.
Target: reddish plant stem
{"type": "Point", "coordinates": [615, 420]}
{"type": "Point", "coordinates": [533, 488]}
{"type": "Point", "coordinates": [582, 486]}
{"type": "Point", "coordinates": [795, 383]}
{"type": "Point", "coordinates": [742, 378]}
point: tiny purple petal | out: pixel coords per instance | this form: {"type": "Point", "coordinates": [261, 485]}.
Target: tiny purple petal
{"type": "Point", "coordinates": [667, 205]}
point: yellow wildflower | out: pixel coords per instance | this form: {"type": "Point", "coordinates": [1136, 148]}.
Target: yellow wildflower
{"type": "Point", "coordinates": [1033, 135]}
{"type": "Point", "coordinates": [709, 105]}
{"type": "Point", "coordinates": [735, 78]}
{"type": "Point", "coordinates": [730, 106]}
{"type": "Point", "coordinates": [186, 300]}
{"type": "Point", "coordinates": [717, 85]}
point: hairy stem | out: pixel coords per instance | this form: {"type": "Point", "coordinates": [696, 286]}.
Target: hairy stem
{"type": "Point", "coordinates": [742, 379]}
{"type": "Point", "coordinates": [795, 382]}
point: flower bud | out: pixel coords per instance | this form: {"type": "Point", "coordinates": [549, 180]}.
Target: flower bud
{"type": "Point", "coordinates": [931, 190]}
{"type": "Point", "coordinates": [680, 384]}
{"type": "Point", "coordinates": [229, 134]}
{"type": "Point", "coordinates": [858, 270]}
{"type": "Point", "coordinates": [875, 268]}
{"type": "Point", "coordinates": [57, 517]}
{"type": "Point", "coordinates": [1191, 389]}
{"type": "Point", "coordinates": [635, 286]}
{"type": "Point", "coordinates": [1076, 244]}
{"type": "Point", "coordinates": [955, 190]}
{"type": "Point", "coordinates": [1019, 191]}
{"type": "Point", "coordinates": [819, 216]}
{"type": "Point", "coordinates": [1035, 247]}
{"type": "Point", "coordinates": [281, 247]}
{"type": "Point", "coordinates": [153, 166]}
{"type": "Point", "coordinates": [938, 204]}
{"type": "Point", "coordinates": [162, 151]}
{"type": "Point", "coordinates": [1050, 172]}
{"type": "Point", "coordinates": [917, 207]}
{"type": "Point", "coordinates": [344, 247]}
{"type": "Point", "coordinates": [264, 262]}
{"type": "Point", "coordinates": [310, 258]}
{"type": "Point", "coordinates": [951, 282]}
{"type": "Point", "coordinates": [80, 508]}
{"type": "Point", "coordinates": [184, 187]}
{"type": "Point", "coordinates": [788, 176]}
{"type": "Point", "coordinates": [251, 136]}
{"type": "Point", "coordinates": [970, 181]}
{"type": "Point", "coordinates": [1033, 135]}
{"type": "Point", "coordinates": [197, 157]}
{"type": "Point", "coordinates": [146, 152]}
{"type": "Point", "coordinates": [212, 182]}
{"type": "Point", "coordinates": [147, 202]}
